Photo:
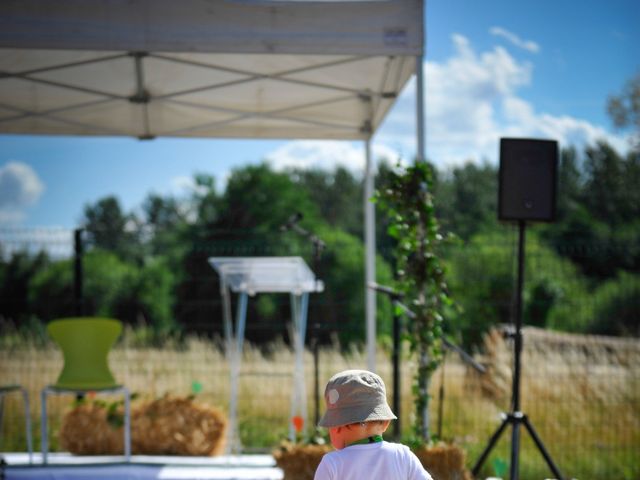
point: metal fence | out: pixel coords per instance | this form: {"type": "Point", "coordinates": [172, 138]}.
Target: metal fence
{"type": "Point", "coordinates": [580, 392]}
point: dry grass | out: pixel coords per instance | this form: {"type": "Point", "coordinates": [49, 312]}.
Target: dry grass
{"type": "Point", "coordinates": [582, 395]}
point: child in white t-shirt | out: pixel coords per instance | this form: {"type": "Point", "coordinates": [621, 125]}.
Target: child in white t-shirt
{"type": "Point", "coordinates": [357, 415]}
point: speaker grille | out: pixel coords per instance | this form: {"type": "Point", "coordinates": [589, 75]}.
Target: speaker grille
{"type": "Point", "coordinates": [527, 182]}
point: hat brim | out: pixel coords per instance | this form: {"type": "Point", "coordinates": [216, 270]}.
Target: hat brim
{"type": "Point", "coordinates": [337, 417]}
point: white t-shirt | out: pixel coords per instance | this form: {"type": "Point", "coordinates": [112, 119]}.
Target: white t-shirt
{"type": "Point", "coordinates": [372, 461]}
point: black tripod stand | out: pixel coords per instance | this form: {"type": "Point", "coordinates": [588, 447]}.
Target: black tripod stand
{"type": "Point", "coordinates": [516, 417]}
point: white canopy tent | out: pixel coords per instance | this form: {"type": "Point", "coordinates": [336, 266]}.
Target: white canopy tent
{"type": "Point", "coordinates": [248, 276]}
{"type": "Point", "coordinates": [322, 69]}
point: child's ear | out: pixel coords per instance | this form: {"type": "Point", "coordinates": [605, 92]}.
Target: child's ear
{"type": "Point", "coordinates": [385, 425]}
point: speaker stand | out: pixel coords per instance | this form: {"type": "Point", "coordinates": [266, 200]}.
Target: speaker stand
{"type": "Point", "coordinates": [515, 418]}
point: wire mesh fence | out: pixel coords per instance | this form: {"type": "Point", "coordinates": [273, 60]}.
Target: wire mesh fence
{"type": "Point", "coordinates": [580, 392]}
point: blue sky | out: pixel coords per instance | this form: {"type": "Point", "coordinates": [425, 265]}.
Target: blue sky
{"type": "Point", "coordinates": [493, 68]}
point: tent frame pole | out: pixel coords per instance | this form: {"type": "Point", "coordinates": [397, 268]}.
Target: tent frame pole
{"type": "Point", "coordinates": [420, 120]}
{"type": "Point", "coordinates": [370, 261]}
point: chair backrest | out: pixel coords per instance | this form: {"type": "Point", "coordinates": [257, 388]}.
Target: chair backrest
{"type": "Point", "coordinates": [85, 344]}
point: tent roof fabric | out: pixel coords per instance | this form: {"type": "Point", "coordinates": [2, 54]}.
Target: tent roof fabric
{"type": "Point", "coordinates": [198, 68]}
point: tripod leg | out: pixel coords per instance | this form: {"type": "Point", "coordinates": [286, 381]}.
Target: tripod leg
{"type": "Point", "coordinates": [492, 441]}
{"type": "Point", "coordinates": [515, 449]}
{"type": "Point", "coordinates": [542, 449]}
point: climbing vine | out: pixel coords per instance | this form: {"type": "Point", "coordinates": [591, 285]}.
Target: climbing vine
{"type": "Point", "coordinates": [407, 199]}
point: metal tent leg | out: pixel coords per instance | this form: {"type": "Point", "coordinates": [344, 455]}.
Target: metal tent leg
{"type": "Point", "coordinates": [234, 355]}
{"type": "Point", "coordinates": [299, 307]}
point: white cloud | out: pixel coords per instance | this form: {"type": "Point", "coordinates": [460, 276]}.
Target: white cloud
{"type": "Point", "coordinates": [327, 155]}
{"type": "Point", "coordinates": [472, 100]}
{"type": "Point", "coordinates": [186, 185]}
{"type": "Point", "coordinates": [528, 45]}
{"type": "Point", "coordinates": [182, 184]}
{"type": "Point", "coordinates": [20, 188]}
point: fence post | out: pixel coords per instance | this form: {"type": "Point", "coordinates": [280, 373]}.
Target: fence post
{"type": "Point", "coordinates": [78, 299]}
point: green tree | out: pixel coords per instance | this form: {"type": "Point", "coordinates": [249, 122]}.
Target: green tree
{"type": "Point", "coordinates": [611, 308]}
{"type": "Point", "coordinates": [109, 228]}
{"type": "Point", "coordinates": [163, 213]}
{"type": "Point", "coordinates": [617, 307]}
{"type": "Point", "coordinates": [482, 280]}
{"type": "Point", "coordinates": [166, 229]}
{"type": "Point", "coordinates": [606, 187]}
{"type": "Point", "coordinates": [337, 194]}
{"type": "Point", "coordinates": [205, 202]}
{"type": "Point", "coordinates": [598, 211]}
{"type": "Point", "coordinates": [624, 108]}
{"type": "Point", "coordinates": [244, 221]}
{"type": "Point", "coordinates": [15, 277]}
{"type": "Point", "coordinates": [113, 288]}
{"type": "Point", "coordinates": [51, 292]}
{"type": "Point", "coordinates": [570, 183]}
{"type": "Point", "coordinates": [146, 296]}
{"type": "Point", "coordinates": [341, 305]}
{"type": "Point", "coordinates": [467, 199]}
{"type": "Point", "coordinates": [247, 221]}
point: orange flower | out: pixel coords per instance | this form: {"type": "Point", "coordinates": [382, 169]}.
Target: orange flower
{"type": "Point", "coordinates": [298, 423]}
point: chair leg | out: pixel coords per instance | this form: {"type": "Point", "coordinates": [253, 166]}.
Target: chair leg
{"type": "Point", "coordinates": [127, 424]}
{"type": "Point", "coordinates": [43, 426]}
{"type": "Point", "coordinates": [1, 410]}
{"type": "Point", "coordinates": [27, 420]}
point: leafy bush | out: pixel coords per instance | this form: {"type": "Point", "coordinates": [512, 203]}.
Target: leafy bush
{"type": "Point", "coordinates": [613, 308]}
{"type": "Point", "coordinates": [482, 279]}
{"type": "Point", "coordinates": [112, 288]}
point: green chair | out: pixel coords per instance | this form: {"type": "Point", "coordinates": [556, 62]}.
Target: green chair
{"type": "Point", "coordinates": [85, 344]}
{"type": "Point", "coordinates": [6, 389]}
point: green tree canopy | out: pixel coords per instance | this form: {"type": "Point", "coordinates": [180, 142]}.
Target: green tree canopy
{"type": "Point", "coordinates": [624, 108]}
{"type": "Point", "coordinates": [107, 227]}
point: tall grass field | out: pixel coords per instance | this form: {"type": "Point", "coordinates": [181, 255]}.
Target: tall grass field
{"type": "Point", "coordinates": [581, 394]}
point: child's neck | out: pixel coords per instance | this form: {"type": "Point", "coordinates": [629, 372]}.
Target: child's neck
{"type": "Point", "coordinates": [353, 434]}
{"type": "Point", "coordinates": [367, 440]}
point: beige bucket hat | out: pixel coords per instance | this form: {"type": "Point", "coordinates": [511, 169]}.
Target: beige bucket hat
{"type": "Point", "coordinates": [354, 396]}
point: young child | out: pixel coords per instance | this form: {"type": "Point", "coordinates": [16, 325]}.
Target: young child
{"type": "Point", "coordinates": [357, 415]}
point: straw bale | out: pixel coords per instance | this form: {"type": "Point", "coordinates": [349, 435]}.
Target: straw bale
{"type": "Point", "coordinates": [165, 426]}
{"type": "Point", "coordinates": [86, 431]}
{"type": "Point", "coordinates": [444, 461]}
{"type": "Point", "coordinates": [557, 358]}
{"type": "Point", "coordinates": [178, 426]}
{"type": "Point", "coordinates": [299, 462]}
{"type": "Point", "coordinates": [496, 382]}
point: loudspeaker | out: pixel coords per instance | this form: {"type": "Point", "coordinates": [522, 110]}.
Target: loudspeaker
{"type": "Point", "coordinates": [527, 179]}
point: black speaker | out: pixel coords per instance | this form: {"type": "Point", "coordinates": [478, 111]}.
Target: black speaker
{"type": "Point", "coordinates": [527, 179]}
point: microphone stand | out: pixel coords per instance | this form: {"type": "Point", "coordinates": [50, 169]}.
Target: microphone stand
{"type": "Point", "coordinates": [318, 246]}
{"type": "Point", "coordinates": [395, 298]}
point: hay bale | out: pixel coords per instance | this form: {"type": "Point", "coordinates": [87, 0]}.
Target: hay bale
{"type": "Point", "coordinates": [444, 461]}
{"type": "Point", "coordinates": [86, 430]}
{"type": "Point", "coordinates": [299, 462]}
{"type": "Point", "coordinates": [178, 426]}
{"type": "Point", "coordinates": [165, 426]}
{"type": "Point", "coordinates": [495, 383]}
{"type": "Point", "coordinates": [556, 358]}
